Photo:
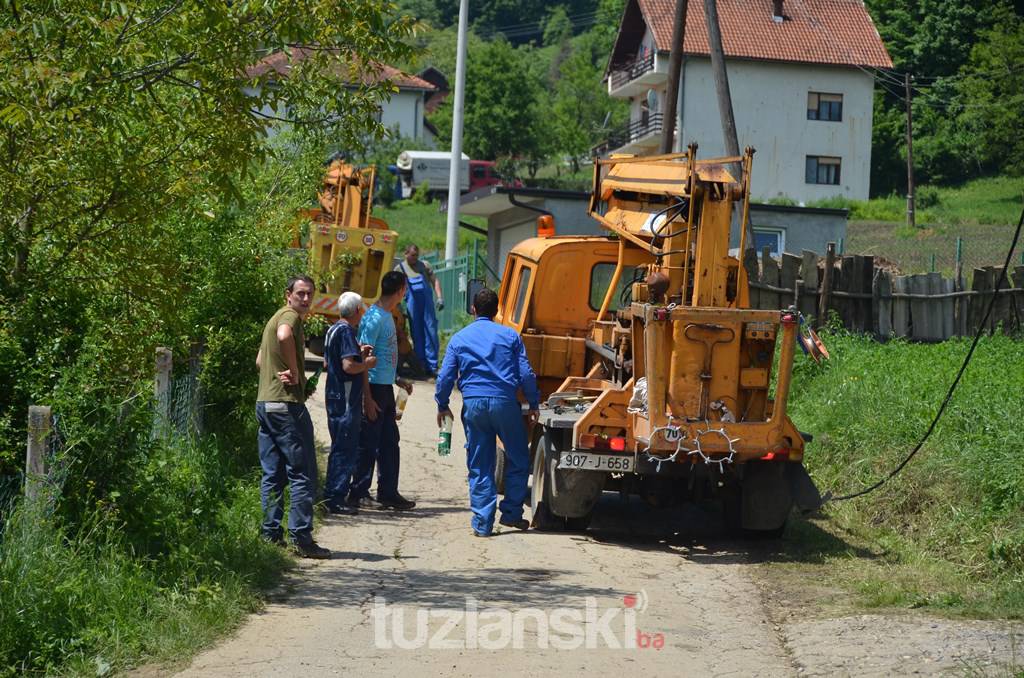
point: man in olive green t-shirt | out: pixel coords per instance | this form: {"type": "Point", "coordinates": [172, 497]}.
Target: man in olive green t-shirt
{"type": "Point", "coordinates": [287, 453]}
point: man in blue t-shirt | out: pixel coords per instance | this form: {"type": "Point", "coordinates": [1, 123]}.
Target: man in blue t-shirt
{"type": "Point", "coordinates": [346, 364]}
{"type": "Point", "coordinates": [490, 363]}
{"type": "Point", "coordinates": [378, 438]}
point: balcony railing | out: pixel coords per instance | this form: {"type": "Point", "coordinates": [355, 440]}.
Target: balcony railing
{"type": "Point", "coordinates": [632, 70]}
{"type": "Point", "coordinates": [634, 131]}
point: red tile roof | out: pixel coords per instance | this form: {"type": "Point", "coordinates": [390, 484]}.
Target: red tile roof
{"type": "Point", "coordinates": [282, 62]}
{"type": "Point", "coordinates": [838, 32]}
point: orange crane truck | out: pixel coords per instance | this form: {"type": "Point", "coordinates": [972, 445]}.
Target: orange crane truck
{"type": "Point", "coordinates": [657, 374]}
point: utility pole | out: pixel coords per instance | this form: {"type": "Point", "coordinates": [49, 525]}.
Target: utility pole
{"type": "Point", "coordinates": [732, 146]}
{"type": "Point", "coordinates": [675, 68]}
{"type": "Point", "coordinates": [911, 220]}
{"type": "Point", "coordinates": [451, 242]}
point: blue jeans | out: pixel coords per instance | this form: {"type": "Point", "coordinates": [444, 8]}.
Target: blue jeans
{"type": "Point", "coordinates": [344, 424]}
{"type": "Point", "coordinates": [288, 457]}
{"type": "Point", "coordinates": [483, 419]}
{"type": "Point", "coordinates": [378, 446]}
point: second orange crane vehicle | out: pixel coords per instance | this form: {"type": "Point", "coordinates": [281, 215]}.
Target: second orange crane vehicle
{"type": "Point", "coordinates": [658, 376]}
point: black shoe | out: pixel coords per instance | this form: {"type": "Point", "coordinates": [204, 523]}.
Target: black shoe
{"type": "Point", "coordinates": [342, 510]}
{"type": "Point", "coordinates": [312, 550]}
{"type": "Point", "coordinates": [369, 503]}
{"type": "Point", "coordinates": [276, 540]}
{"type": "Point", "coordinates": [398, 503]}
{"type": "Point", "coordinates": [521, 524]}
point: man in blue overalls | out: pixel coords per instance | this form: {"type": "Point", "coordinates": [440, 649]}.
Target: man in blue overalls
{"type": "Point", "coordinates": [489, 361]}
{"type": "Point", "coordinates": [346, 364]}
{"type": "Point", "coordinates": [420, 301]}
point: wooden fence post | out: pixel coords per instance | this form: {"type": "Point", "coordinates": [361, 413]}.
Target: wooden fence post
{"type": "Point", "coordinates": [901, 307]}
{"type": "Point", "coordinates": [809, 274]}
{"type": "Point", "coordinates": [39, 428]}
{"type": "Point", "coordinates": [790, 275]}
{"type": "Point", "coordinates": [162, 388]}
{"type": "Point", "coordinates": [881, 289]}
{"type": "Point", "coordinates": [826, 284]}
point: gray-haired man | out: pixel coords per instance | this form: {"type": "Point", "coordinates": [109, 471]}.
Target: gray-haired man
{"type": "Point", "coordinates": [346, 362]}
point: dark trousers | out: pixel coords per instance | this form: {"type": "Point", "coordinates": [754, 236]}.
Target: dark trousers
{"type": "Point", "coordinates": [288, 457]}
{"type": "Point", "coordinates": [378, 446]}
{"type": "Point", "coordinates": [344, 424]}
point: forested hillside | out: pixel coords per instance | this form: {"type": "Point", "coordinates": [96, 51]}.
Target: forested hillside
{"type": "Point", "coordinates": [534, 90]}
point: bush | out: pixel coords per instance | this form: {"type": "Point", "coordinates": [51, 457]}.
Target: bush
{"type": "Point", "coordinates": [421, 196]}
{"type": "Point", "coordinates": [926, 196]}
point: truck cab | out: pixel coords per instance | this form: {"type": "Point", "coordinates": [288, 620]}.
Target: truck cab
{"type": "Point", "coordinates": [551, 293]}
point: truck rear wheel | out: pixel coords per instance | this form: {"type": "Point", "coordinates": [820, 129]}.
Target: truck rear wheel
{"type": "Point", "coordinates": [499, 470]}
{"type": "Point", "coordinates": [543, 518]}
{"type": "Point", "coordinates": [758, 505]}
{"type": "Point", "coordinates": [562, 499]}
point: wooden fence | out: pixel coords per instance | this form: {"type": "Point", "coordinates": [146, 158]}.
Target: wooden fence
{"type": "Point", "coordinates": [871, 299]}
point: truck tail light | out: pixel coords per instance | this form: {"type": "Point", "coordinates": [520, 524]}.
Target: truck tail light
{"type": "Point", "coordinates": [777, 455]}
{"type": "Point", "coordinates": [592, 441]}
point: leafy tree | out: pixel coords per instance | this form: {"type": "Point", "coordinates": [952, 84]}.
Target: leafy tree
{"type": "Point", "coordinates": [932, 37]}
{"type": "Point", "coordinates": [935, 41]}
{"type": "Point", "coordinates": [991, 96]}
{"type": "Point", "coordinates": [126, 134]}
{"type": "Point", "coordinates": [582, 111]}
{"type": "Point", "coordinates": [501, 102]}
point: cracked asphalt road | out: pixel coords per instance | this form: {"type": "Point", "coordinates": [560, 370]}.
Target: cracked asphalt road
{"type": "Point", "coordinates": [697, 593]}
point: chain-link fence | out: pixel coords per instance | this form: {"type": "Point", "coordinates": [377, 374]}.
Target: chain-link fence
{"type": "Point", "coordinates": [179, 409]}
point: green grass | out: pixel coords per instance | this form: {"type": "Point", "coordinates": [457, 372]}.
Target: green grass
{"type": "Point", "coordinates": [992, 200]}
{"type": "Point", "coordinates": [425, 226]}
{"type": "Point", "coordinates": [948, 532]}
{"type": "Point", "coordinates": [152, 576]}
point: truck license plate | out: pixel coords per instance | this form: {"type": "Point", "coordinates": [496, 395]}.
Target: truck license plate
{"type": "Point", "coordinates": [596, 462]}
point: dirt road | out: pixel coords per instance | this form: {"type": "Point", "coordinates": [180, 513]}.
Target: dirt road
{"type": "Point", "coordinates": [660, 601]}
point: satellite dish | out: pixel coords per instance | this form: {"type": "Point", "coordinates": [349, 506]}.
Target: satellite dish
{"type": "Point", "coordinates": [652, 100]}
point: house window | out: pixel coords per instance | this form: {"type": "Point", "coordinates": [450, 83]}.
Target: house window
{"type": "Point", "coordinates": [822, 170]}
{"type": "Point", "coordinates": [773, 238]}
{"type": "Point", "coordinates": [822, 106]}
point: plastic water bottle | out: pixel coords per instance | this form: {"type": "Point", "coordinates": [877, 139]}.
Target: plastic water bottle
{"type": "Point", "coordinates": [400, 402]}
{"type": "Point", "coordinates": [444, 440]}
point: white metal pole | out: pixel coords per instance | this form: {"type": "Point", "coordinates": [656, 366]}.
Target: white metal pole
{"type": "Point", "coordinates": [451, 243]}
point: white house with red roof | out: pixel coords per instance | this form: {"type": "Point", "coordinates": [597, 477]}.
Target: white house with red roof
{"type": "Point", "coordinates": [801, 85]}
{"type": "Point", "coordinates": [404, 110]}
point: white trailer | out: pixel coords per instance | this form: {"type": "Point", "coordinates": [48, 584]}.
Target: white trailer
{"type": "Point", "coordinates": [416, 167]}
